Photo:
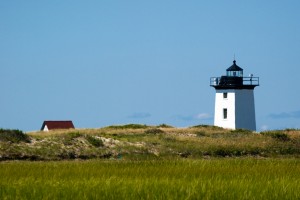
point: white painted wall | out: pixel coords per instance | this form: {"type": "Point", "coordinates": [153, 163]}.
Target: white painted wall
{"type": "Point", "coordinates": [220, 104]}
{"type": "Point", "coordinates": [240, 109]}
{"type": "Point", "coordinates": [46, 128]}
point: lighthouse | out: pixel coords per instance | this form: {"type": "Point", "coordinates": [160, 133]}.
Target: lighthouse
{"type": "Point", "coordinates": [234, 100]}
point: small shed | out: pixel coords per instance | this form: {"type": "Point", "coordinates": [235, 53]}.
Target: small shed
{"type": "Point", "coordinates": [52, 125]}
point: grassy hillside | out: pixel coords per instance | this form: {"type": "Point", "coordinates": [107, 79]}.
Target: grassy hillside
{"type": "Point", "coordinates": [150, 162]}
{"type": "Point", "coordinates": [141, 142]}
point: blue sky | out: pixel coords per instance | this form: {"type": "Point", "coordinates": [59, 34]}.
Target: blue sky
{"type": "Point", "coordinates": [100, 63]}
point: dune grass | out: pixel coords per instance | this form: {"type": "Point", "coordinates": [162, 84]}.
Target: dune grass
{"type": "Point", "coordinates": [246, 178]}
{"type": "Point", "coordinates": [139, 142]}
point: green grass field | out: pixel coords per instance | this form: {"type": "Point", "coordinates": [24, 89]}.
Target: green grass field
{"type": "Point", "coordinates": [226, 178]}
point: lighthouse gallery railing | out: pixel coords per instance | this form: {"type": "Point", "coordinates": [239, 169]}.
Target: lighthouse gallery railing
{"type": "Point", "coordinates": [215, 81]}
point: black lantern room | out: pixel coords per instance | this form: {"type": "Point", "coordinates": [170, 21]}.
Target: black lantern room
{"type": "Point", "coordinates": [234, 70]}
{"type": "Point", "coordinates": [234, 79]}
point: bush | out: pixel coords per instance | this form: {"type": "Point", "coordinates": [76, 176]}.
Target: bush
{"type": "Point", "coordinates": [231, 133]}
{"type": "Point", "coordinates": [129, 126]}
{"type": "Point", "coordinates": [200, 134]}
{"type": "Point", "coordinates": [94, 141]}
{"type": "Point", "coordinates": [14, 136]}
{"type": "Point", "coordinates": [241, 131]}
{"type": "Point", "coordinates": [279, 135]}
{"type": "Point", "coordinates": [222, 152]}
{"type": "Point", "coordinates": [208, 126]}
{"type": "Point", "coordinates": [164, 126]}
{"type": "Point", "coordinates": [291, 129]}
{"type": "Point", "coordinates": [201, 126]}
{"type": "Point", "coordinates": [153, 131]}
{"type": "Point", "coordinates": [185, 154]}
{"type": "Point", "coordinates": [69, 137]}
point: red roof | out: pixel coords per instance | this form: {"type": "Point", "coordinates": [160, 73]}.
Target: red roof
{"type": "Point", "coordinates": [57, 125]}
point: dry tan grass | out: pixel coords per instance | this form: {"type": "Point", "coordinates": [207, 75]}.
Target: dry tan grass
{"type": "Point", "coordinates": [160, 142]}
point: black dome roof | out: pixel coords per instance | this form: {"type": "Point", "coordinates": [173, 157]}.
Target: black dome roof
{"type": "Point", "coordinates": [234, 67]}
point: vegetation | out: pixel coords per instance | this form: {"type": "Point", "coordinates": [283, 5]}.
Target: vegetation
{"type": "Point", "coordinates": [164, 126]}
{"type": "Point", "coordinates": [94, 141]}
{"type": "Point", "coordinates": [150, 162]}
{"type": "Point", "coordinates": [279, 135]}
{"type": "Point", "coordinates": [14, 136]}
{"type": "Point", "coordinates": [128, 126]}
{"type": "Point", "coordinates": [154, 131]}
{"type": "Point", "coordinates": [140, 142]}
{"type": "Point", "coordinates": [229, 178]}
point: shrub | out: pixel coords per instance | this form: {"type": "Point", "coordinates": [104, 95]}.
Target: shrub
{"type": "Point", "coordinates": [208, 126]}
{"type": "Point", "coordinates": [222, 152]}
{"type": "Point", "coordinates": [241, 131]}
{"type": "Point", "coordinates": [164, 126]}
{"type": "Point", "coordinates": [94, 141]}
{"type": "Point", "coordinates": [201, 126]}
{"type": "Point", "coordinates": [14, 136]}
{"type": "Point", "coordinates": [230, 134]}
{"type": "Point", "coordinates": [200, 134]}
{"type": "Point", "coordinates": [185, 154]}
{"type": "Point", "coordinates": [279, 135]}
{"type": "Point", "coordinates": [154, 131]}
{"type": "Point", "coordinates": [129, 126]}
{"type": "Point", "coordinates": [291, 129]}
{"type": "Point", "coordinates": [74, 134]}
{"type": "Point", "coordinates": [69, 137]}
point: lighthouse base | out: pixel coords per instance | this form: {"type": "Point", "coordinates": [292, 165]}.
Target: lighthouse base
{"type": "Point", "coordinates": [234, 109]}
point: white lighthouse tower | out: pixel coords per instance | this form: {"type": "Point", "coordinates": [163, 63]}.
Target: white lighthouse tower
{"type": "Point", "coordinates": [234, 103]}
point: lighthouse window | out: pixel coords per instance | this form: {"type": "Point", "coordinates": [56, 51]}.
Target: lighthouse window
{"type": "Point", "coordinates": [225, 95]}
{"type": "Point", "coordinates": [224, 113]}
